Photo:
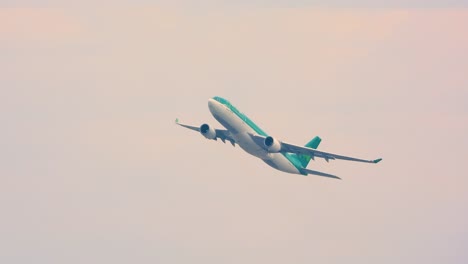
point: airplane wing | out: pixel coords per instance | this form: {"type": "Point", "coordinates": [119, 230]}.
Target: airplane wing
{"type": "Point", "coordinates": [290, 148]}
{"type": "Point", "coordinates": [222, 134]}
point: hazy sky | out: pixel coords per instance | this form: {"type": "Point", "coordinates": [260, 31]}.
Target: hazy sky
{"type": "Point", "coordinates": [252, 3]}
{"type": "Point", "coordinates": [93, 169]}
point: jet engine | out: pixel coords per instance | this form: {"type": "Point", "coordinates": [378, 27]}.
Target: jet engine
{"type": "Point", "coordinates": [272, 145]}
{"type": "Point", "coordinates": [207, 131]}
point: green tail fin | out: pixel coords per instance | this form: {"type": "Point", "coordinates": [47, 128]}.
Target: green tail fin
{"type": "Point", "coordinates": [314, 143]}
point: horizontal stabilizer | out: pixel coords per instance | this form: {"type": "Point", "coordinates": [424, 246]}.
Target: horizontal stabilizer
{"type": "Point", "coordinates": [318, 173]}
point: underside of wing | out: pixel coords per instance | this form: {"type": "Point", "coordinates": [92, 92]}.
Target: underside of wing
{"type": "Point", "coordinates": [210, 133]}
{"type": "Point", "coordinates": [284, 147]}
{"type": "Point", "coordinates": [195, 128]}
{"type": "Point", "coordinates": [290, 148]}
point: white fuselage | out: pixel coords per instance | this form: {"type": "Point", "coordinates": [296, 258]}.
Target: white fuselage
{"type": "Point", "coordinates": [240, 131]}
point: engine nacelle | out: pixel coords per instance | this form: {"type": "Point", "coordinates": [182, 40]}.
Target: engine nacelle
{"type": "Point", "coordinates": [207, 131]}
{"type": "Point", "coordinates": [272, 145]}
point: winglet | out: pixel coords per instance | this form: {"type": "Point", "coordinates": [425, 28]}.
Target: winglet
{"type": "Point", "coordinates": [376, 161]}
{"type": "Point", "coordinates": [177, 120]}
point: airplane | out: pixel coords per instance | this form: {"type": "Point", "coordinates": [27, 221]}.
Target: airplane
{"type": "Point", "coordinates": [252, 139]}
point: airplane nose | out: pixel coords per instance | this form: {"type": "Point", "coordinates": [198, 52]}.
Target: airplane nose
{"type": "Point", "coordinates": [212, 104]}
